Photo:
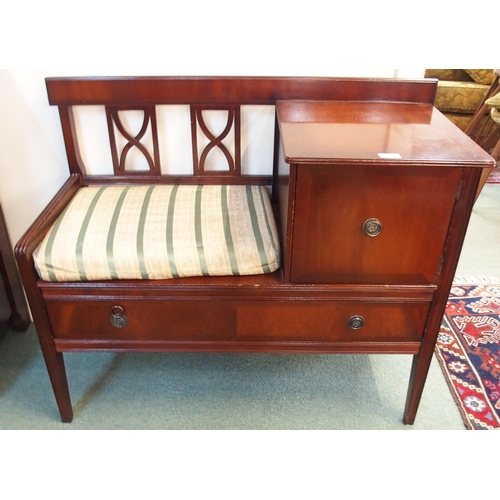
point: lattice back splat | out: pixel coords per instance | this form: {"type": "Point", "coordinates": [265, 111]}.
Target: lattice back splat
{"type": "Point", "coordinates": [199, 160]}
{"type": "Point", "coordinates": [120, 157]}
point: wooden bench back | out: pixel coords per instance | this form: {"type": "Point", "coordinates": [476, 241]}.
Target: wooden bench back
{"type": "Point", "coordinates": [227, 94]}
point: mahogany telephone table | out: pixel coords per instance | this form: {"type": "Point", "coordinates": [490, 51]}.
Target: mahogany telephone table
{"type": "Point", "coordinates": [372, 189]}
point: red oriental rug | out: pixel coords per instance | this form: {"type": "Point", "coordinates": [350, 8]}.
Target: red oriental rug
{"type": "Point", "coordinates": [468, 350]}
{"type": "Point", "coordinates": [494, 177]}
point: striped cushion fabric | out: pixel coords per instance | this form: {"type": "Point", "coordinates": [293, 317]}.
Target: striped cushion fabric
{"type": "Point", "coordinates": [161, 232]}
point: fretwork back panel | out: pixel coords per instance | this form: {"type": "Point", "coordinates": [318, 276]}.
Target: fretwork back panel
{"type": "Point", "coordinates": [199, 125]}
{"type": "Point", "coordinates": [133, 142]}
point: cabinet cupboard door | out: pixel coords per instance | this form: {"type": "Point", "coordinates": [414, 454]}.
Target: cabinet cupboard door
{"type": "Point", "coordinates": [371, 224]}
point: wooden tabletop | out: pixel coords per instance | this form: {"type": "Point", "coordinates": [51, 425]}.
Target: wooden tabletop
{"type": "Point", "coordinates": [345, 132]}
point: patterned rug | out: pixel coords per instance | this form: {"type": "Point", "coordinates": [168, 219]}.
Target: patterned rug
{"type": "Point", "coordinates": [468, 350]}
{"type": "Point", "coordinates": [494, 177]}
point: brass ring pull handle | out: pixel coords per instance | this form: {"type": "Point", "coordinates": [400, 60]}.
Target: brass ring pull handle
{"type": "Point", "coordinates": [118, 317]}
{"type": "Point", "coordinates": [372, 227]}
{"type": "Point", "coordinates": [356, 322]}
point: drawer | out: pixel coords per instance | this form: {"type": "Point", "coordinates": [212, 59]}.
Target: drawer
{"type": "Point", "coordinates": [371, 224]}
{"type": "Point", "coordinates": [237, 320]}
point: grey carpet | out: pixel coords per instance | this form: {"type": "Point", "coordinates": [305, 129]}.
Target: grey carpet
{"type": "Point", "coordinates": [217, 391]}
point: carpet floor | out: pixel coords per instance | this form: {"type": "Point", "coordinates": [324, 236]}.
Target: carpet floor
{"type": "Point", "coordinates": [494, 177]}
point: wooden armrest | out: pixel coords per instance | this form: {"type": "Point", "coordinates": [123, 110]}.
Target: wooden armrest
{"type": "Point", "coordinates": [36, 232]}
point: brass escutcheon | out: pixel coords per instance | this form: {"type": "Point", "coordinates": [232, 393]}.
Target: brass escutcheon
{"type": "Point", "coordinates": [372, 227]}
{"type": "Point", "coordinates": [356, 322]}
{"type": "Point", "coordinates": [118, 318]}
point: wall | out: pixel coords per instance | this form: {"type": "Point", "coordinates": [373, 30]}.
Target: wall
{"type": "Point", "coordinates": [32, 161]}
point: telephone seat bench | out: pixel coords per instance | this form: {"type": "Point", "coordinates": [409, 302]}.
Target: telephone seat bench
{"type": "Point", "coordinates": [348, 244]}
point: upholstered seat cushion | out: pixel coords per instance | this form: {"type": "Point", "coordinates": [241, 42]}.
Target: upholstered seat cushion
{"type": "Point", "coordinates": [161, 232]}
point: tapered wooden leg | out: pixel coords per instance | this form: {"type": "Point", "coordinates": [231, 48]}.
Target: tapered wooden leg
{"type": "Point", "coordinates": [419, 370]}
{"type": "Point", "coordinates": [57, 373]}
{"type": "Point", "coordinates": [53, 359]}
{"type": "Point", "coordinates": [456, 235]}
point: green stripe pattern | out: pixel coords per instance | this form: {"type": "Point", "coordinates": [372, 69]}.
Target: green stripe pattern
{"type": "Point", "coordinates": [110, 240]}
{"type": "Point", "coordinates": [161, 232]}
{"type": "Point", "coordinates": [169, 230]}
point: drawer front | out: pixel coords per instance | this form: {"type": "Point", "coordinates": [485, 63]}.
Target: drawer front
{"type": "Point", "coordinates": [371, 224]}
{"type": "Point", "coordinates": [234, 320]}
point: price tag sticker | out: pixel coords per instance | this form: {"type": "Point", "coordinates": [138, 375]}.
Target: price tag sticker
{"type": "Point", "coordinates": [390, 156]}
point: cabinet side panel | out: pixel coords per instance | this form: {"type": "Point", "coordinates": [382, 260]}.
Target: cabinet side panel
{"type": "Point", "coordinates": [286, 202]}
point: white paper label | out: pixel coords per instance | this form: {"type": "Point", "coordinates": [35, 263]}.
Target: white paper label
{"type": "Point", "coordinates": [390, 156]}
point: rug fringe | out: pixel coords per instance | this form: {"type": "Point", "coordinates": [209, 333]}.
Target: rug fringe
{"type": "Point", "coordinates": [475, 280]}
